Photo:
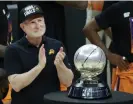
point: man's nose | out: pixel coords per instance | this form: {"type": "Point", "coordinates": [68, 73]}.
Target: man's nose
{"type": "Point", "coordinates": [37, 25]}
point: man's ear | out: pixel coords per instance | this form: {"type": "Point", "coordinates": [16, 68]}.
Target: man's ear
{"type": "Point", "coordinates": [22, 26]}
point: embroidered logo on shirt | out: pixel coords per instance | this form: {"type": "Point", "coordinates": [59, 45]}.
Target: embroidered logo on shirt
{"type": "Point", "coordinates": [51, 51]}
{"type": "Point", "coordinates": [127, 14]}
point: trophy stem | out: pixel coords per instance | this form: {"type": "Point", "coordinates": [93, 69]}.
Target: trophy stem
{"type": "Point", "coordinates": [90, 81]}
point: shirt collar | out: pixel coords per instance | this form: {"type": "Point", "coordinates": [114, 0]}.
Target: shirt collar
{"type": "Point", "coordinates": [26, 42]}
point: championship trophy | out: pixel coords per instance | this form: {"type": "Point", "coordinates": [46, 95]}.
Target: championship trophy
{"type": "Point", "coordinates": [90, 60]}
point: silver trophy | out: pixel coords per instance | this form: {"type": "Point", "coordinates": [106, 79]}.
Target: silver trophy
{"type": "Point", "coordinates": [90, 60]}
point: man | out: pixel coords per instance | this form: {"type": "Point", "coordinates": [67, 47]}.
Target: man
{"type": "Point", "coordinates": [55, 20]}
{"type": "Point", "coordinates": [117, 17]}
{"type": "Point", "coordinates": [35, 64]}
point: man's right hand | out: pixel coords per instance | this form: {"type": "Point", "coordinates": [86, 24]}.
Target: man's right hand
{"type": "Point", "coordinates": [118, 61]}
{"type": "Point", "coordinates": [42, 56]}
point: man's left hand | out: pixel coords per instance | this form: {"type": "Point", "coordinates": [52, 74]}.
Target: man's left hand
{"type": "Point", "coordinates": [59, 57]}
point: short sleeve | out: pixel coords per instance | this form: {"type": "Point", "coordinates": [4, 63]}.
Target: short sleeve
{"type": "Point", "coordinates": [108, 4]}
{"type": "Point", "coordinates": [108, 17]}
{"type": "Point", "coordinates": [12, 63]}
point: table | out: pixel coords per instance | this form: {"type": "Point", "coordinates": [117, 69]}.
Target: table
{"type": "Point", "coordinates": [61, 98]}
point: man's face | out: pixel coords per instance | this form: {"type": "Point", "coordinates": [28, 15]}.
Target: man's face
{"type": "Point", "coordinates": [34, 26]}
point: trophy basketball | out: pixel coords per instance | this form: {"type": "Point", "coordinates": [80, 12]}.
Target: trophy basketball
{"type": "Point", "coordinates": [90, 60]}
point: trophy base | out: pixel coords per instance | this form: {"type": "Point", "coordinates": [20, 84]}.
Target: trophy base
{"type": "Point", "coordinates": [89, 89]}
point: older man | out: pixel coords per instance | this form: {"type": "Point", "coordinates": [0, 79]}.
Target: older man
{"type": "Point", "coordinates": [35, 64]}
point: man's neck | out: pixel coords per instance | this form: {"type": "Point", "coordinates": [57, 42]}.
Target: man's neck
{"type": "Point", "coordinates": [35, 41]}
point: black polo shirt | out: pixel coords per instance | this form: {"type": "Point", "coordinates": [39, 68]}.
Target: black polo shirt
{"type": "Point", "coordinates": [117, 17]}
{"type": "Point", "coordinates": [21, 57]}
